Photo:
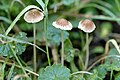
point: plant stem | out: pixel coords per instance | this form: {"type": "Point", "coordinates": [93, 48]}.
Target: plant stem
{"type": "Point", "coordinates": [102, 58]}
{"type": "Point", "coordinates": [81, 72]}
{"type": "Point", "coordinates": [87, 51]}
{"type": "Point", "coordinates": [62, 55]}
{"type": "Point", "coordinates": [55, 55]}
{"type": "Point", "coordinates": [17, 66]}
{"type": "Point", "coordinates": [45, 28]}
{"type": "Point", "coordinates": [111, 74]}
{"type": "Point", "coordinates": [17, 59]}
{"type": "Point", "coordinates": [34, 50]}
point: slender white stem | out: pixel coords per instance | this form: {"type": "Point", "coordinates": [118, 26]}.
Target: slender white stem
{"type": "Point", "coordinates": [81, 72]}
{"type": "Point", "coordinates": [62, 55]}
{"type": "Point", "coordinates": [87, 51]}
{"type": "Point", "coordinates": [34, 50]}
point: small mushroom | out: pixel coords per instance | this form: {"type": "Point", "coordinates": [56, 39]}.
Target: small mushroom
{"type": "Point", "coordinates": [62, 24]}
{"type": "Point", "coordinates": [87, 26]}
{"type": "Point", "coordinates": [33, 16]}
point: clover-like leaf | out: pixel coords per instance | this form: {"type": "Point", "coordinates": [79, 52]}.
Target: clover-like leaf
{"type": "Point", "coordinates": [101, 71]}
{"type": "Point", "coordinates": [19, 48]}
{"type": "Point", "coordinates": [113, 63]}
{"type": "Point", "coordinates": [54, 72]}
{"type": "Point", "coordinates": [54, 35]}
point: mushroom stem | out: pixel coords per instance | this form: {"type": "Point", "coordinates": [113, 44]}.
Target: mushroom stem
{"type": "Point", "coordinates": [34, 50]}
{"type": "Point", "coordinates": [87, 51]}
{"type": "Point", "coordinates": [55, 55]}
{"type": "Point", "coordinates": [62, 55]}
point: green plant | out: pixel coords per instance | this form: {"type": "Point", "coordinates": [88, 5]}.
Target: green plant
{"type": "Point", "coordinates": [59, 54]}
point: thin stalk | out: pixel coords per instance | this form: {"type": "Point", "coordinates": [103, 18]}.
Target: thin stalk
{"type": "Point", "coordinates": [102, 58]}
{"type": "Point", "coordinates": [45, 28]}
{"type": "Point", "coordinates": [17, 59]}
{"type": "Point", "coordinates": [111, 74]}
{"type": "Point", "coordinates": [81, 72]}
{"type": "Point", "coordinates": [17, 66]}
{"type": "Point", "coordinates": [3, 70]}
{"type": "Point", "coordinates": [62, 55]}
{"type": "Point", "coordinates": [87, 51]}
{"type": "Point", "coordinates": [82, 63]}
{"type": "Point", "coordinates": [34, 50]}
{"type": "Point", "coordinates": [54, 54]}
{"type": "Point", "coordinates": [11, 71]}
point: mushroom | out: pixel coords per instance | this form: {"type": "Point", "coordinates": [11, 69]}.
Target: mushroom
{"type": "Point", "coordinates": [62, 24]}
{"type": "Point", "coordinates": [33, 16]}
{"type": "Point", "coordinates": [87, 26]}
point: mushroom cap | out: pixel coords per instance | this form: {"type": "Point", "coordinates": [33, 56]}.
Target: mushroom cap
{"type": "Point", "coordinates": [33, 16]}
{"type": "Point", "coordinates": [87, 26]}
{"type": "Point", "coordinates": [62, 24]}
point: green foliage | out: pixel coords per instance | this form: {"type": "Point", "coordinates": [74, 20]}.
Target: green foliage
{"type": "Point", "coordinates": [101, 71]}
{"type": "Point", "coordinates": [18, 47]}
{"type": "Point", "coordinates": [106, 28]}
{"type": "Point", "coordinates": [54, 72]}
{"type": "Point", "coordinates": [54, 35]}
{"type": "Point", "coordinates": [113, 63]}
{"type": "Point", "coordinates": [74, 11]}
{"type": "Point", "coordinates": [67, 2]}
{"type": "Point", "coordinates": [98, 49]}
{"type": "Point", "coordinates": [117, 76]}
{"type": "Point", "coordinates": [77, 77]}
{"type": "Point", "coordinates": [69, 50]}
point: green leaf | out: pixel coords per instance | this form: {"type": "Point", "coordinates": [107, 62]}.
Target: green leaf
{"type": "Point", "coordinates": [69, 50]}
{"type": "Point", "coordinates": [113, 63]}
{"type": "Point", "coordinates": [98, 49]}
{"type": "Point", "coordinates": [26, 26]}
{"type": "Point", "coordinates": [11, 72]}
{"type": "Point", "coordinates": [106, 28]}
{"type": "Point", "coordinates": [94, 76]}
{"type": "Point", "coordinates": [54, 72]}
{"type": "Point", "coordinates": [41, 3]}
{"type": "Point", "coordinates": [18, 47]}
{"type": "Point", "coordinates": [117, 76]}
{"type": "Point", "coordinates": [54, 35]}
{"type": "Point", "coordinates": [67, 2]}
{"type": "Point", "coordinates": [101, 71]}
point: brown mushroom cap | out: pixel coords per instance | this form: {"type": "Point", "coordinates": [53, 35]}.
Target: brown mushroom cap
{"type": "Point", "coordinates": [33, 16]}
{"type": "Point", "coordinates": [87, 25]}
{"type": "Point", "coordinates": [62, 24]}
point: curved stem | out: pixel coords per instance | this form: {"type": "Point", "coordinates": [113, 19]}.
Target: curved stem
{"type": "Point", "coordinates": [104, 57]}
{"type": "Point", "coordinates": [62, 55]}
{"type": "Point", "coordinates": [87, 51]}
{"type": "Point", "coordinates": [81, 72]}
{"type": "Point", "coordinates": [18, 17]}
{"type": "Point", "coordinates": [34, 50]}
